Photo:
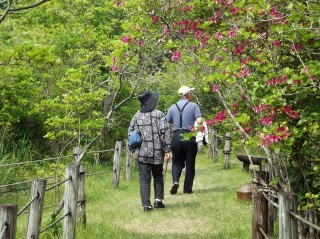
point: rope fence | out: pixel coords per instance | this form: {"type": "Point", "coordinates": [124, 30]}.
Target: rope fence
{"type": "Point", "coordinates": [298, 217]}
{"type": "Point", "coordinates": [288, 218]}
{"type": "Point", "coordinates": [34, 161]}
{"type": "Point", "coordinates": [98, 173]}
{"type": "Point", "coordinates": [55, 222]}
{"type": "Point", "coordinates": [28, 204]}
{"type": "Point", "coordinates": [24, 182]}
{"type": "Point", "coordinates": [59, 183]}
{"type": "Point", "coordinates": [73, 201]}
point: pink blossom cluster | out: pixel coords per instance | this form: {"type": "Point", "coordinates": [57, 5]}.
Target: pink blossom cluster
{"type": "Point", "coordinates": [287, 110]}
{"type": "Point", "coordinates": [260, 108]}
{"type": "Point", "coordinates": [233, 32]}
{"type": "Point", "coordinates": [176, 56]}
{"type": "Point", "coordinates": [245, 60]}
{"type": "Point", "coordinates": [282, 133]}
{"type": "Point", "coordinates": [126, 39]}
{"type": "Point", "coordinates": [220, 116]}
{"type": "Point", "coordinates": [215, 88]}
{"type": "Point", "coordinates": [267, 120]}
{"type": "Point", "coordinates": [239, 49]}
{"type": "Point", "coordinates": [117, 3]}
{"type": "Point", "coordinates": [277, 81]}
{"type": "Point", "coordinates": [278, 17]}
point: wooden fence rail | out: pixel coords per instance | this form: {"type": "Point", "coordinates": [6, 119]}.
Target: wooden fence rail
{"type": "Point", "coordinates": [73, 201]}
{"type": "Point", "coordinates": [287, 207]}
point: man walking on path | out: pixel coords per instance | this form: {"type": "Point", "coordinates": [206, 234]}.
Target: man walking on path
{"type": "Point", "coordinates": [183, 115]}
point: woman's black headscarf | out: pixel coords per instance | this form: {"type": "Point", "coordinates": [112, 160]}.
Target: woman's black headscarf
{"type": "Point", "coordinates": [148, 100]}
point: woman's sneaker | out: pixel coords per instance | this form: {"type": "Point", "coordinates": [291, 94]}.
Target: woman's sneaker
{"type": "Point", "coordinates": [147, 209]}
{"type": "Point", "coordinates": [158, 204]}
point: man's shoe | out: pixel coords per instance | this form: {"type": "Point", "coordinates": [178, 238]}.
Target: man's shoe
{"type": "Point", "coordinates": [158, 204]}
{"type": "Point", "coordinates": [174, 188]}
{"type": "Point", "coordinates": [147, 209]}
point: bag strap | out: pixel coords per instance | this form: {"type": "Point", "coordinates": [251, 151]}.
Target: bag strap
{"type": "Point", "coordinates": [180, 111]}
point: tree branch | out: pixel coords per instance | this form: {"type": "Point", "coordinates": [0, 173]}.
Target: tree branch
{"type": "Point", "coordinates": [9, 9]}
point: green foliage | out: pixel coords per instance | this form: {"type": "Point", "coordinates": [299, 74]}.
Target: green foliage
{"type": "Point", "coordinates": [66, 65]}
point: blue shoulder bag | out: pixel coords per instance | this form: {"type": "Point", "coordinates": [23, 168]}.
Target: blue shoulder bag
{"type": "Point", "coordinates": [134, 139]}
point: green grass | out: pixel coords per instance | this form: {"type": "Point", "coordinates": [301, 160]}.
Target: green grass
{"type": "Point", "coordinates": [213, 211]}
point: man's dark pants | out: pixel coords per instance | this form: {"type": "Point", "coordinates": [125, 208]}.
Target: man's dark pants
{"type": "Point", "coordinates": [184, 154]}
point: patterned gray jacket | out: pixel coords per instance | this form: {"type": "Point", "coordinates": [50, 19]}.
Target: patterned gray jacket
{"type": "Point", "coordinates": [155, 134]}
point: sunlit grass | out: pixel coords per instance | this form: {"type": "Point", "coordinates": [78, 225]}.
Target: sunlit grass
{"type": "Point", "coordinates": [211, 212]}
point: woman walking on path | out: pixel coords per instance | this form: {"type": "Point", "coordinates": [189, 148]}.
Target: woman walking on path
{"type": "Point", "coordinates": [154, 149]}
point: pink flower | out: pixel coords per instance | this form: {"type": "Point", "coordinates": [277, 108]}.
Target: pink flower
{"type": "Point", "coordinates": [218, 1]}
{"type": "Point", "coordinates": [176, 56]}
{"type": "Point", "coordinates": [245, 60]}
{"type": "Point", "coordinates": [268, 139]}
{"type": "Point", "coordinates": [244, 72]}
{"type": "Point", "coordinates": [296, 47]}
{"type": "Point", "coordinates": [139, 43]}
{"type": "Point", "coordinates": [115, 68]}
{"type": "Point", "coordinates": [155, 18]}
{"type": "Point", "coordinates": [218, 58]}
{"type": "Point", "coordinates": [233, 32]}
{"type": "Point", "coordinates": [217, 14]}
{"type": "Point", "coordinates": [126, 39]}
{"type": "Point", "coordinates": [218, 35]}
{"type": "Point", "coordinates": [260, 108]}
{"type": "Point", "coordinates": [293, 114]}
{"type": "Point", "coordinates": [198, 34]}
{"type": "Point", "coordinates": [239, 49]}
{"type": "Point", "coordinates": [215, 88]}
{"type": "Point", "coordinates": [234, 10]}
{"type": "Point", "coordinates": [117, 3]}
{"type": "Point", "coordinates": [267, 120]}
{"type": "Point", "coordinates": [276, 43]}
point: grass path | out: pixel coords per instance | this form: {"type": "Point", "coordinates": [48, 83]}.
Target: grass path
{"type": "Point", "coordinates": [211, 212]}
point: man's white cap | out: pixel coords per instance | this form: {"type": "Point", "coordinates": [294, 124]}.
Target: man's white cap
{"type": "Point", "coordinates": [184, 90]}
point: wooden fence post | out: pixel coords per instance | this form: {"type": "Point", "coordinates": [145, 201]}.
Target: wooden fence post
{"type": "Point", "coordinates": [116, 164]}
{"type": "Point", "coordinates": [81, 212]}
{"type": "Point", "coordinates": [215, 145]}
{"type": "Point", "coordinates": [8, 221]}
{"type": "Point", "coordinates": [70, 202]}
{"type": "Point", "coordinates": [287, 224]}
{"type": "Point", "coordinates": [227, 150]}
{"type": "Point", "coordinates": [128, 163]}
{"type": "Point", "coordinates": [36, 208]}
{"type": "Point", "coordinates": [259, 213]}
